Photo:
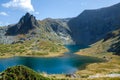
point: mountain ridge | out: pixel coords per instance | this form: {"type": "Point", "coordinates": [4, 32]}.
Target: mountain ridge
{"type": "Point", "coordinates": [91, 25]}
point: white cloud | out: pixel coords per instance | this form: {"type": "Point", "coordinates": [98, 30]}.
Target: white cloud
{"type": "Point", "coordinates": [37, 13]}
{"type": "Point", "coordinates": [19, 4]}
{"type": "Point", "coordinates": [3, 13]}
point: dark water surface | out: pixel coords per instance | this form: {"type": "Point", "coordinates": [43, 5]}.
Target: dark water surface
{"type": "Point", "coordinates": [55, 65]}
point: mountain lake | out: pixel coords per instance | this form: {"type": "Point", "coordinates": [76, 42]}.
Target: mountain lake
{"type": "Point", "coordinates": [67, 64]}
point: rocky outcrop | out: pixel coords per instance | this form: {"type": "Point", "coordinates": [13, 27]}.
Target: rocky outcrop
{"type": "Point", "coordinates": [115, 45]}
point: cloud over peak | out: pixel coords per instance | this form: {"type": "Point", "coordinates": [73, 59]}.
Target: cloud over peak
{"type": "Point", "coordinates": [19, 4]}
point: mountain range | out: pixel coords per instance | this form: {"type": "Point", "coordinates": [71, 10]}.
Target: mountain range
{"type": "Point", "coordinates": [48, 29]}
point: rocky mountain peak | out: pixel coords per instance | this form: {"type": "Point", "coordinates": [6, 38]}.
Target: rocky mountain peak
{"type": "Point", "coordinates": [27, 17]}
{"type": "Point", "coordinates": [25, 24]}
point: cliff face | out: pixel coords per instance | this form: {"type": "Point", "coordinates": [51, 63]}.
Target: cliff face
{"type": "Point", "coordinates": [92, 25]}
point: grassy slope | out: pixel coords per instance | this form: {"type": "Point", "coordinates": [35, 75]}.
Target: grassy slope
{"type": "Point", "coordinates": [103, 45]}
{"type": "Point", "coordinates": [21, 73]}
{"type": "Point", "coordinates": [32, 48]}
{"type": "Point", "coordinates": [99, 49]}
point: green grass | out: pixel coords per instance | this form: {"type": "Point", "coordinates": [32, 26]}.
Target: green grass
{"type": "Point", "coordinates": [21, 73]}
{"type": "Point", "coordinates": [33, 47]}
{"type": "Point", "coordinates": [112, 65]}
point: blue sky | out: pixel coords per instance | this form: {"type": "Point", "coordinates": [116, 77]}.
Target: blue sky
{"type": "Point", "coordinates": [12, 10]}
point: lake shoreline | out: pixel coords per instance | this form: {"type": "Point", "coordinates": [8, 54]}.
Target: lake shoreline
{"type": "Point", "coordinates": [63, 58]}
{"type": "Point", "coordinates": [39, 56]}
{"type": "Point", "coordinates": [95, 70]}
{"type": "Point", "coordinates": [59, 53]}
{"type": "Point", "coordinates": [63, 54]}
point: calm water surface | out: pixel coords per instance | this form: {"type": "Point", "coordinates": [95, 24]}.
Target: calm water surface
{"type": "Point", "coordinates": [68, 63]}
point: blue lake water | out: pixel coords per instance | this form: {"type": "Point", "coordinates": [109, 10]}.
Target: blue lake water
{"type": "Point", "coordinates": [69, 63]}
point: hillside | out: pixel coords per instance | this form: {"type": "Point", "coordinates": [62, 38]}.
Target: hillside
{"type": "Point", "coordinates": [108, 49]}
{"type": "Point", "coordinates": [92, 25]}
{"type": "Point", "coordinates": [110, 43]}
{"type": "Point", "coordinates": [21, 73]}
{"type": "Point", "coordinates": [58, 28]}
